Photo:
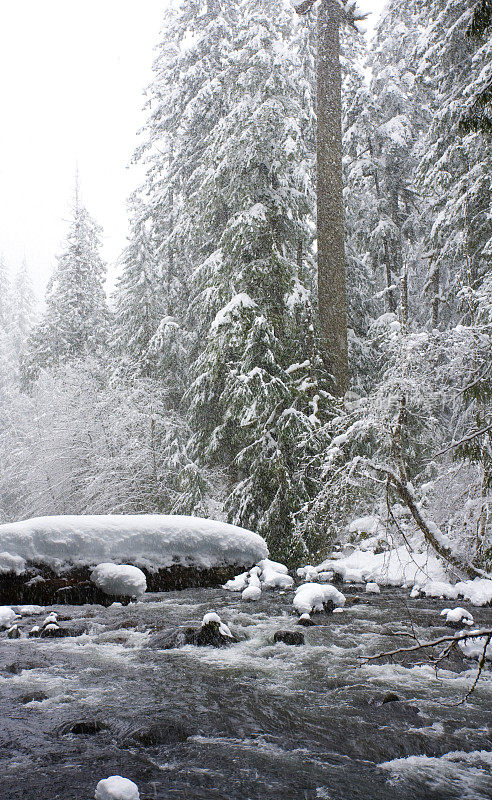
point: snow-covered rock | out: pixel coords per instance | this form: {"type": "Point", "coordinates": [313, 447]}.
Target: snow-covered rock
{"type": "Point", "coordinates": [372, 588]}
{"type": "Point", "coordinates": [11, 563]}
{"type": "Point", "coordinates": [119, 579]}
{"type": "Point", "coordinates": [313, 597]}
{"type": "Point", "coordinates": [275, 575]}
{"type": "Point", "coordinates": [116, 788]}
{"type": "Point", "coordinates": [212, 616]}
{"type": "Point", "coordinates": [152, 541]}
{"type": "Point", "coordinates": [251, 593]}
{"type": "Point", "coordinates": [238, 583]}
{"type": "Point", "coordinates": [7, 616]}
{"type": "Point", "coordinates": [457, 616]}
{"type": "Point", "coordinates": [265, 575]}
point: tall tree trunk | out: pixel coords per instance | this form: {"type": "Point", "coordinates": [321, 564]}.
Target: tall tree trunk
{"type": "Point", "coordinates": [332, 298]}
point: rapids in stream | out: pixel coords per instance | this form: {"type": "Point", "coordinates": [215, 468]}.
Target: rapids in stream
{"type": "Point", "coordinates": [255, 720]}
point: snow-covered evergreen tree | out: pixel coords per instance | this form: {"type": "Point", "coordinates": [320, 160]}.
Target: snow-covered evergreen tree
{"type": "Point", "coordinates": [76, 318]}
{"type": "Point", "coordinates": [456, 168]}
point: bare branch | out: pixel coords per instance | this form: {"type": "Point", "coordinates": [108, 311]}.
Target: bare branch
{"type": "Point", "coordinates": [464, 440]}
{"type": "Point", "coordinates": [453, 640]}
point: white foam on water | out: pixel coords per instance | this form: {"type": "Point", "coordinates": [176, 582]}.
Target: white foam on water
{"type": "Point", "coordinates": [457, 774]}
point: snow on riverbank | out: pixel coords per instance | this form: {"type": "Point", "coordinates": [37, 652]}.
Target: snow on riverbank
{"type": "Point", "coordinates": [420, 571]}
{"type": "Point", "coordinates": [152, 541]}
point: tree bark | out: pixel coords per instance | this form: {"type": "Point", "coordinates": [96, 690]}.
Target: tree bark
{"type": "Point", "coordinates": [332, 299]}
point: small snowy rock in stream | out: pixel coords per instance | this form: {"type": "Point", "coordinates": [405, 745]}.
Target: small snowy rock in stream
{"type": "Point", "coordinates": [456, 617]}
{"type": "Point", "coordinates": [317, 597]}
{"type": "Point", "coordinates": [119, 579]}
{"type": "Point", "coordinates": [116, 788]}
{"type": "Point", "coordinates": [251, 593]}
{"type": "Point", "coordinates": [372, 588]}
{"type": "Point", "coordinates": [7, 617]}
{"type": "Point", "coordinates": [266, 575]}
{"type": "Point", "coordinates": [14, 632]}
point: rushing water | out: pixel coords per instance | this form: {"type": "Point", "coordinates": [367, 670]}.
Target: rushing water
{"type": "Point", "coordinates": [256, 720]}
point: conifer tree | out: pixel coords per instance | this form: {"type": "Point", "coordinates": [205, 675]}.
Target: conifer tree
{"type": "Point", "coordinates": [75, 322]}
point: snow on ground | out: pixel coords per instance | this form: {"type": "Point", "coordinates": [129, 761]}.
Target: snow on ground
{"type": "Point", "coordinates": [478, 591]}
{"type": "Point", "coordinates": [396, 567]}
{"type": "Point", "coordinates": [120, 579]}
{"type": "Point", "coordinates": [146, 540]}
{"type": "Point", "coordinates": [399, 567]}
{"type": "Point", "coordinates": [116, 788]}
{"type": "Point", "coordinates": [313, 596]}
{"type": "Point", "coordinates": [7, 616]}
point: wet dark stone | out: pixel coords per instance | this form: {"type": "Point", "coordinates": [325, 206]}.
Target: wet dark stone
{"type": "Point", "coordinates": [307, 622]}
{"type": "Point", "coordinates": [40, 585]}
{"type": "Point", "coordinates": [14, 632]}
{"type": "Point", "coordinates": [84, 728]}
{"type": "Point", "coordinates": [289, 637]}
{"type": "Point", "coordinates": [161, 733]}
{"type": "Point", "coordinates": [33, 697]}
{"type": "Point", "coordinates": [353, 600]}
{"type": "Point", "coordinates": [390, 697]}
{"type": "Point", "coordinates": [54, 632]}
{"type": "Point", "coordinates": [207, 635]}
{"type": "Point", "coordinates": [337, 578]}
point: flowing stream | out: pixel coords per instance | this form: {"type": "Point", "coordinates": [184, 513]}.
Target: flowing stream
{"type": "Point", "coordinates": [255, 720]}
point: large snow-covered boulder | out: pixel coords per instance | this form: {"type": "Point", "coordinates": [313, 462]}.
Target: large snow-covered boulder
{"type": "Point", "coordinates": [173, 551]}
{"type": "Point", "coordinates": [119, 579]}
{"type": "Point", "coordinates": [148, 540]}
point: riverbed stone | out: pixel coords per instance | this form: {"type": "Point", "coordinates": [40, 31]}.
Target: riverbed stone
{"type": "Point", "coordinates": [289, 637]}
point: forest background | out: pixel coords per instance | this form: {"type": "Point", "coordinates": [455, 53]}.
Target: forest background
{"type": "Point", "coordinates": [201, 386]}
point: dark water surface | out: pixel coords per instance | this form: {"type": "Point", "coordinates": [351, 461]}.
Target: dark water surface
{"type": "Point", "coordinates": [256, 720]}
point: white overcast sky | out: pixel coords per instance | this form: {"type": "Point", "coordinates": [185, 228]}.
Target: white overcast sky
{"type": "Point", "coordinates": [73, 74]}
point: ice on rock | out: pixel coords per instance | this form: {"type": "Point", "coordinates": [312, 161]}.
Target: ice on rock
{"type": "Point", "coordinates": [457, 615]}
{"type": "Point", "coordinates": [251, 593]}
{"type": "Point", "coordinates": [116, 788]}
{"type": "Point", "coordinates": [313, 596]}
{"type": "Point", "coordinates": [7, 616]}
{"type": "Point", "coordinates": [51, 619]}
{"type": "Point", "coordinates": [119, 579]}
{"type": "Point", "coordinates": [372, 588]}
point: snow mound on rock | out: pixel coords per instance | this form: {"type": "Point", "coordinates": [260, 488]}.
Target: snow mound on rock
{"type": "Point", "coordinates": [116, 788]}
{"type": "Point", "coordinates": [7, 616]}
{"type": "Point", "coordinates": [266, 575]}
{"type": "Point", "coordinates": [146, 540]}
{"type": "Point", "coordinates": [313, 596]}
{"type": "Point", "coordinates": [120, 579]}
{"type": "Point", "coordinates": [457, 615]}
